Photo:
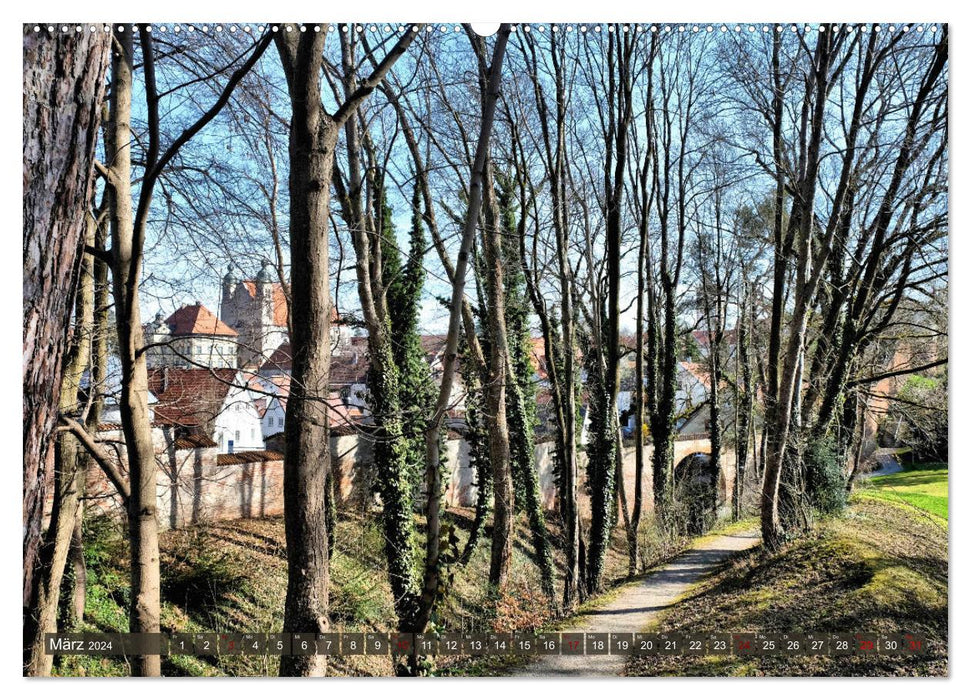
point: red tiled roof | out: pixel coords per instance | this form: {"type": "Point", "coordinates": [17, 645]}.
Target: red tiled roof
{"type": "Point", "coordinates": [193, 441]}
{"type": "Point", "coordinates": [282, 383]}
{"type": "Point", "coordinates": [699, 371]}
{"type": "Point", "coordinates": [345, 368]}
{"type": "Point", "coordinates": [248, 457]}
{"type": "Point", "coordinates": [196, 319]}
{"type": "Point", "coordinates": [348, 368]}
{"type": "Point", "coordinates": [260, 405]}
{"type": "Point", "coordinates": [433, 344]}
{"type": "Point", "coordinates": [342, 415]}
{"type": "Point", "coordinates": [189, 397]}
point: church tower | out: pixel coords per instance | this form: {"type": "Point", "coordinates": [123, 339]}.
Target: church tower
{"type": "Point", "coordinates": [227, 304]}
{"type": "Point", "coordinates": [264, 303]}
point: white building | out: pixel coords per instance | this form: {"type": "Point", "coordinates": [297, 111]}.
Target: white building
{"type": "Point", "coordinates": [190, 337]}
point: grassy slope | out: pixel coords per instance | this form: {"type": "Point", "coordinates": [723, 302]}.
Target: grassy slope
{"type": "Point", "coordinates": [923, 486]}
{"type": "Point", "coordinates": [880, 568]}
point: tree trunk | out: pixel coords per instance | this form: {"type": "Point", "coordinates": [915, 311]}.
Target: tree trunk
{"type": "Point", "coordinates": [63, 90]}
{"type": "Point", "coordinates": [126, 247]}
{"type": "Point", "coordinates": [499, 451]}
{"type": "Point", "coordinates": [69, 473]}
{"type": "Point", "coordinates": [450, 355]}
{"type": "Point", "coordinates": [313, 137]}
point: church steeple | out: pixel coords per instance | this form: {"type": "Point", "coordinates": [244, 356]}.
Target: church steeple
{"type": "Point", "coordinates": [226, 307]}
{"type": "Point", "coordinates": [264, 275]}
{"type": "Point", "coordinates": [230, 278]}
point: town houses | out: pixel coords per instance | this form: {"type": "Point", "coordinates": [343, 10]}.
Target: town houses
{"type": "Point", "coordinates": [226, 378]}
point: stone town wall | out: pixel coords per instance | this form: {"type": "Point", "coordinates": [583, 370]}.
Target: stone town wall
{"type": "Point", "coordinates": [200, 485]}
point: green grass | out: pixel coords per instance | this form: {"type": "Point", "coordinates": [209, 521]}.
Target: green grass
{"type": "Point", "coordinates": [922, 486]}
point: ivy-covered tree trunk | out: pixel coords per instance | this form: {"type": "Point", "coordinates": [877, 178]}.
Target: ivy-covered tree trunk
{"type": "Point", "coordinates": [478, 458]}
{"type": "Point", "coordinates": [521, 394]}
{"type": "Point", "coordinates": [601, 469]}
{"type": "Point", "coordinates": [385, 303]}
{"type": "Point", "coordinates": [496, 390]}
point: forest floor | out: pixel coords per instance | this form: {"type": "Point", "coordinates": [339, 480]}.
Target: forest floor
{"type": "Point", "coordinates": [879, 567]}
{"type": "Point", "coordinates": [231, 577]}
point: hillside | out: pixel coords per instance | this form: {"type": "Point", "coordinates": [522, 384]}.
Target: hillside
{"type": "Point", "coordinates": [881, 567]}
{"type": "Point", "coordinates": [231, 577]}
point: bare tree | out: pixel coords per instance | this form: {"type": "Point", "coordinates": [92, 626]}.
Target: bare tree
{"type": "Point", "coordinates": [128, 235]}
{"type": "Point", "coordinates": [313, 139]}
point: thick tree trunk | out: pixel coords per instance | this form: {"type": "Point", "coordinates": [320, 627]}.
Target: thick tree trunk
{"type": "Point", "coordinates": [313, 137]}
{"type": "Point", "coordinates": [69, 474]}
{"type": "Point", "coordinates": [63, 90]}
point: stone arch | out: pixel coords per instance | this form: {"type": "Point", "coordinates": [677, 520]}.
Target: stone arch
{"type": "Point", "coordinates": [696, 490]}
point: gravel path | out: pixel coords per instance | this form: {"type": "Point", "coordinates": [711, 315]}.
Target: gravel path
{"type": "Point", "coordinates": [639, 604]}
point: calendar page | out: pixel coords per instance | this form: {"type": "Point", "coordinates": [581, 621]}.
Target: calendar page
{"type": "Point", "coordinates": [518, 349]}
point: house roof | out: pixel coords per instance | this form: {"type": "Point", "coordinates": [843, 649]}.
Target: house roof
{"type": "Point", "coordinates": [248, 457]}
{"type": "Point", "coordinates": [189, 397]}
{"type": "Point", "coordinates": [698, 371]}
{"type": "Point", "coordinates": [705, 337]}
{"type": "Point", "coordinates": [281, 360]}
{"type": "Point", "coordinates": [433, 344]}
{"type": "Point", "coordinates": [196, 319]}
{"type": "Point", "coordinates": [349, 368]}
{"type": "Point", "coordinates": [280, 385]}
{"type": "Point", "coordinates": [261, 405]}
{"type": "Point", "coordinates": [193, 440]}
{"type": "Point", "coordinates": [342, 416]}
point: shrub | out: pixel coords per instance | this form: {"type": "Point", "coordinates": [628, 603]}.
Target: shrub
{"type": "Point", "coordinates": [826, 481]}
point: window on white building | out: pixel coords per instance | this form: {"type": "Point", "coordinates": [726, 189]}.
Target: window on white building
{"type": "Point", "coordinates": [237, 436]}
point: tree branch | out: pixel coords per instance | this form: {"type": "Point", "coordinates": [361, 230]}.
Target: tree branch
{"type": "Point", "coordinates": [896, 373]}
{"type": "Point", "coordinates": [98, 454]}
{"type": "Point", "coordinates": [367, 86]}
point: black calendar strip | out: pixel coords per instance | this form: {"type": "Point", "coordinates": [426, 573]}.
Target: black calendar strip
{"type": "Point", "coordinates": [455, 644]}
